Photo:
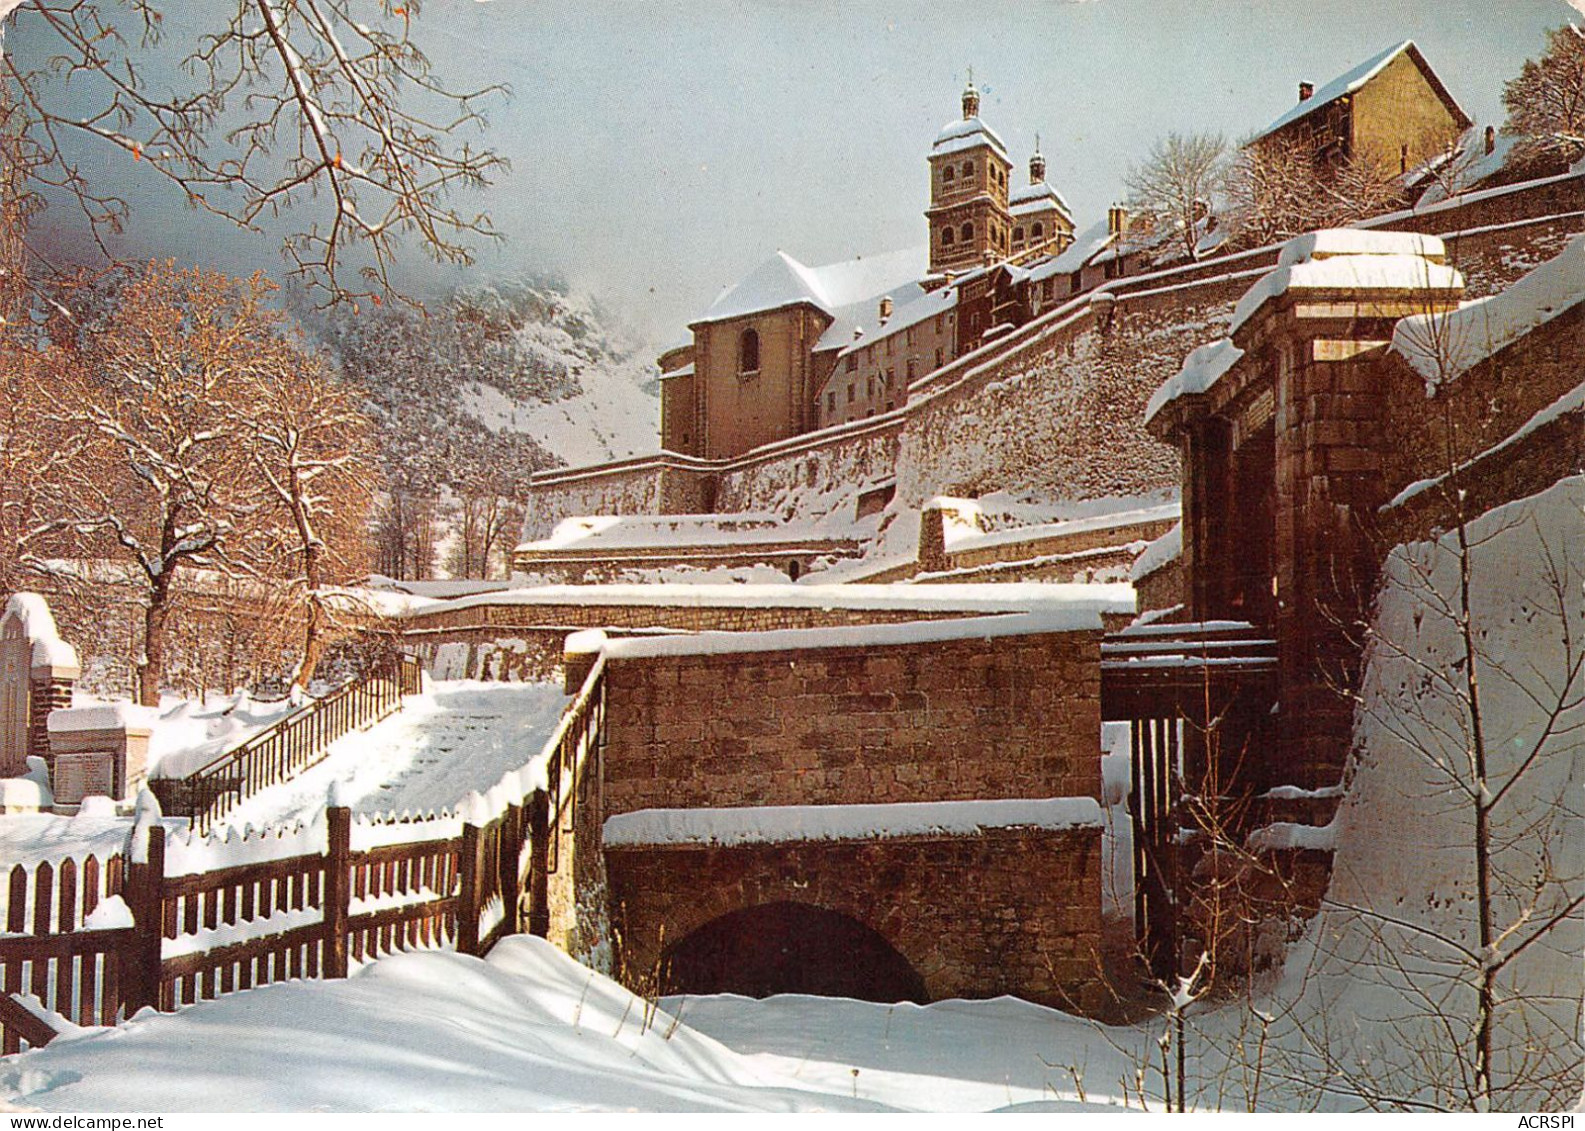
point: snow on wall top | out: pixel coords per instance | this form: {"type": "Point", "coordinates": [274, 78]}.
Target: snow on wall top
{"type": "Point", "coordinates": [1203, 368]}
{"type": "Point", "coordinates": [1078, 617]}
{"type": "Point", "coordinates": [773, 824]}
{"type": "Point", "coordinates": [1331, 242]}
{"type": "Point", "coordinates": [783, 281]}
{"type": "Point", "coordinates": [48, 650]}
{"type": "Point", "coordinates": [966, 133]}
{"type": "Point", "coordinates": [1163, 551]}
{"type": "Point", "coordinates": [986, 598]}
{"type": "Point", "coordinates": [105, 716]}
{"type": "Point", "coordinates": [1345, 271]}
{"type": "Point", "coordinates": [957, 541]}
{"type": "Point", "coordinates": [662, 530]}
{"type": "Point", "coordinates": [1441, 347]}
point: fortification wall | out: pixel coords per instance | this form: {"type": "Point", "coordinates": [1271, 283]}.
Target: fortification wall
{"type": "Point", "coordinates": [1056, 407]}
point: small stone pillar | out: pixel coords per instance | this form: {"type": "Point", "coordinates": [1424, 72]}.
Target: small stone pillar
{"type": "Point", "coordinates": [934, 518]}
{"type": "Point", "coordinates": [578, 656]}
{"type": "Point", "coordinates": [101, 750]}
{"type": "Point", "coordinates": [37, 672]}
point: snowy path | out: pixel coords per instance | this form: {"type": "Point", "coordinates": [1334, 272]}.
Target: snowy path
{"type": "Point", "coordinates": [459, 737]}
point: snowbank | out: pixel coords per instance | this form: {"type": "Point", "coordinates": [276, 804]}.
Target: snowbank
{"type": "Point", "coordinates": [1441, 347]}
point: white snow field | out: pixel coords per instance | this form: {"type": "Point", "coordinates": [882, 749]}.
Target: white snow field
{"type": "Point", "coordinates": [458, 737]}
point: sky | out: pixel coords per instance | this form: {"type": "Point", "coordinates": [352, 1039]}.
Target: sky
{"type": "Point", "coordinates": [660, 151]}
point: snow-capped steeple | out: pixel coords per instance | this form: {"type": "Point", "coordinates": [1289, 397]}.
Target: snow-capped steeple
{"type": "Point", "coordinates": [1037, 165]}
{"type": "Point", "coordinates": [971, 99]}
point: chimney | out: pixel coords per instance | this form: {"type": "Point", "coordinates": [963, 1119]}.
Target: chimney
{"type": "Point", "coordinates": [1306, 91]}
{"type": "Point", "coordinates": [886, 309]}
{"type": "Point", "coordinates": [1491, 140]}
{"type": "Point", "coordinates": [1116, 220]}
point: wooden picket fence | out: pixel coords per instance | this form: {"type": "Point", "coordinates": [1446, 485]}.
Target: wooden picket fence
{"type": "Point", "coordinates": [287, 747]}
{"type": "Point", "coordinates": [365, 890]}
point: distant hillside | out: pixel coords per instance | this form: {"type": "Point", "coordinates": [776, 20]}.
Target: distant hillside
{"type": "Point", "coordinates": [477, 392]}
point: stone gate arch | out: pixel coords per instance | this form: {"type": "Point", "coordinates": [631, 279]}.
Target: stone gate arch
{"type": "Point", "coordinates": [787, 946]}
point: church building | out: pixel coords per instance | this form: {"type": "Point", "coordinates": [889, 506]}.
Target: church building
{"type": "Point", "coordinates": [792, 348]}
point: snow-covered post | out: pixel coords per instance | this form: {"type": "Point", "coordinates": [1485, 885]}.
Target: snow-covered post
{"type": "Point", "coordinates": [338, 887]}
{"type": "Point", "coordinates": [539, 833]}
{"type": "Point", "coordinates": [470, 868]}
{"type": "Point", "coordinates": [145, 898]}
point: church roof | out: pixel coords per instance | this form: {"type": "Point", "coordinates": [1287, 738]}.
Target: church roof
{"type": "Point", "coordinates": [966, 133]}
{"type": "Point", "coordinates": [1351, 80]}
{"type": "Point", "coordinates": [783, 281]}
{"type": "Point", "coordinates": [1035, 197]}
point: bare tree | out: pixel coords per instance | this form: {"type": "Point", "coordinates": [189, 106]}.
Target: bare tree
{"type": "Point", "coordinates": [1175, 185]}
{"type": "Point", "coordinates": [310, 444]}
{"type": "Point", "coordinates": [1278, 188]}
{"type": "Point", "coordinates": [1546, 99]}
{"type": "Point", "coordinates": [294, 106]}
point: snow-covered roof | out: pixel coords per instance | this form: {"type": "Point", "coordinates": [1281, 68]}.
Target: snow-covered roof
{"type": "Point", "coordinates": [923, 306]}
{"type": "Point", "coordinates": [1038, 196]}
{"type": "Point", "coordinates": [683, 371]}
{"type": "Point", "coordinates": [1350, 81]}
{"type": "Point", "coordinates": [1085, 246]}
{"type": "Point", "coordinates": [783, 281]}
{"type": "Point", "coordinates": [1323, 261]}
{"type": "Point", "coordinates": [1442, 346]}
{"type": "Point", "coordinates": [1203, 368]}
{"type": "Point", "coordinates": [1465, 167]}
{"type": "Point", "coordinates": [966, 133]}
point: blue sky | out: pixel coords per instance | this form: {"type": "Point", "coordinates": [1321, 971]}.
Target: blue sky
{"type": "Point", "coordinates": [662, 150]}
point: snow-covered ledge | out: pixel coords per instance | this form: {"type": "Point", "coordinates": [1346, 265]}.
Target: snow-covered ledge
{"type": "Point", "coordinates": [780, 824]}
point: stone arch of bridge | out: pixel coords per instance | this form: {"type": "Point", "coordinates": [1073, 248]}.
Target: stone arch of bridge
{"type": "Point", "coordinates": [787, 946]}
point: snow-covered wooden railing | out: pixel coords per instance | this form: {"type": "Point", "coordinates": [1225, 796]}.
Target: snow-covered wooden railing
{"type": "Point", "coordinates": [287, 747]}
{"type": "Point", "coordinates": [184, 917]}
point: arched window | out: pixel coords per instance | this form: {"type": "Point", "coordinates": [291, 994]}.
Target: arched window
{"type": "Point", "coordinates": [1037, 231]}
{"type": "Point", "coordinates": [1018, 235]}
{"type": "Point", "coordinates": [968, 233]}
{"type": "Point", "coordinates": [947, 173]}
{"type": "Point", "coordinates": [968, 170]}
{"type": "Point", "coordinates": [748, 352]}
{"type": "Point", "coordinates": [946, 236]}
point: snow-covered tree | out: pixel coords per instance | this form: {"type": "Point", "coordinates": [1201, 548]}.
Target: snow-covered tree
{"type": "Point", "coordinates": [1175, 185]}
{"type": "Point", "coordinates": [252, 110]}
{"type": "Point", "coordinates": [149, 394]}
{"type": "Point", "coordinates": [1279, 188]}
{"type": "Point", "coordinates": [310, 445]}
{"type": "Point", "coordinates": [1546, 100]}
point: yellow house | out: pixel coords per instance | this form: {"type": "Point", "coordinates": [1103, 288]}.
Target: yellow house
{"type": "Point", "coordinates": [1391, 108]}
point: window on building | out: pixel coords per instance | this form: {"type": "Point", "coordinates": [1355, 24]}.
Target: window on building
{"type": "Point", "coordinates": [890, 405]}
{"type": "Point", "coordinates": [946, 236]}
{"type": "Point", "coordinates": [850, 392]}
{"type": "Point", "coordinates": [947, 172]}
{"type": "Point", "coordinates": [908, 336]}
{"type": "Point", "coordinates": [891, 346]}
{"type": "Point", "coordinates": [869, 387]}
{"type": "Point", "coordinates": [940, 359]}
{"type": "Point", "coordinates": [891, 377]}
{"type": "Point", "coordinates": [748, 352]}
{"type": "Point", "coordinates": [967, 233]}
{"type": "Point", "coordinates": [1018, 235]}
{"type": "Point", "coordinates": [968, 170]}
{"type": "Point", "coordinates": [1037, 231]}
{"type": "Point", "coordinates": [851, 364]}
{"type": "Point", "coordinates": [910, 370]}
{"type": "Point", "coordinates": [831, 402]}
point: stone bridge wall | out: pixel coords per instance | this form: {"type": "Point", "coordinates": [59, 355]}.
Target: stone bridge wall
{"type": "Point", "coordinates": [1014, 716]}
{"type": "Point", "coordinates": [1004, 912]}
